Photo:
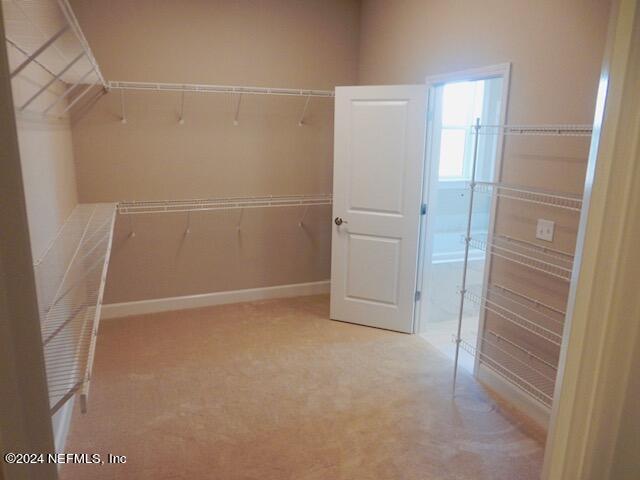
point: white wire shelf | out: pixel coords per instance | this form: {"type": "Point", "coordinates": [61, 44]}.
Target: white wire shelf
{"type": "Point", "coordinates": [79, 71]}
{"type": "Point", "coordinates": [70, 281]}
{"type": "Point", "coordinates": [534, 303]}
{"type": "Point", "coordinates": [529, 195]}
{"type": "Point", "coordinates": [75, 26]}
{"type": "Point", "coordinates": [515, 370]}
{"type": "Point", "coordinates": [547, 314]}
{"type": "Point", "coordinates": [570, 130]}
{"type": "Point", "coordinates": [229, 89]}
{"type": "Point", "coordinates": [501, 307]}
{"type": "Point", "coordinates": [227, 203]}
{"type": "Point", "coordinates": [527, 254]}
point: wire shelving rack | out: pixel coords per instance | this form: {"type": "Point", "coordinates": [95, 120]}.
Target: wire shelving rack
{"type": "Point", "coordinates": [514, 362]}
{"type": "Point", "coordinates": [70, 280]}
{"type": "Point", "coordinates": [223, 203]}
{"type": "Point", "coordinates": [79, 86]}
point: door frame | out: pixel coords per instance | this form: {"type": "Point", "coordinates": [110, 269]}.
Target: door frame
{"type": "Point", "coordinates": [430, 177]}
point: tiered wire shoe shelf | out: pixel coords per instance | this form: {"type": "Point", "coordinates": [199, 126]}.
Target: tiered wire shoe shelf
{"type": "Point", "coordinates": [70, 280]}
{"type": "Point", "coordinates": [509, 358]}
{"type": "Point", "coordinates": [528, 255]}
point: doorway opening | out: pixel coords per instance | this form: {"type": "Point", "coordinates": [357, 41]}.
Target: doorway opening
{"type": "Point", "coordinates": [454, 107]}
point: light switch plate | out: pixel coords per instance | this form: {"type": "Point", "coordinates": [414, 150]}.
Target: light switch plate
{"type": "Point", "coordinates": [544, 230]}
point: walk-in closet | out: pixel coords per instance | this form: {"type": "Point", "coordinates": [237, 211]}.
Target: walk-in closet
{"type": "Point", "coordinates": [303, 239]}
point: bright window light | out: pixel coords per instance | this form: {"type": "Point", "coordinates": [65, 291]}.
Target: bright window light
{"type": "Point", "coordinates": [452, 153]}
{"type": "Point", "coordinates": [461, 105]}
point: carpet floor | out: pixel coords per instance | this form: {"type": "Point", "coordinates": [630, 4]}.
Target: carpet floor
{"type": "Point", "coordinates": [274, 390]}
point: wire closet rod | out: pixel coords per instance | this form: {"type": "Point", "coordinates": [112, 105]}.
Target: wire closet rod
{"type": "Point", "coordinates": [133, 207]}
{"type": "Point", "coordinates": [570, 130]}
{"type": "Point", "coordinates": [530, 195]}
{"type": "Point", "coordinates": [204, 88]}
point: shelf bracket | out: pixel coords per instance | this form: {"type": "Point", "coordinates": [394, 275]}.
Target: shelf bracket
{"type": "Point", "coordinates": [187, 230]}
{"type": "Point", "coordinates": [51, 82]}
{"type": "Point", "coordinates": [123, 115]}
{"type": "Point", "coordinates": [301, 222]}
{"type": "Point", "coordinates": [78, 98]}
{"type": "Point", "coordinates": [40, 49]}
{"type": "Point", "coordinates": [304, 111]}
{"type": "Point", "coordinates": [239, 224]}
{"type": "Point", "coordinates": [67, 92]}
{"type": "Point", "coordinates": [181, 117]}
{"type": "Point", "coordinates": [236, 119]}
{"type": "Point", "coordinates": [132, 232]}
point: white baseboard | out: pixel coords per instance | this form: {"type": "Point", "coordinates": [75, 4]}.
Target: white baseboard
{"type": "Point", "coordinates": [115, 310]}
{"type": "Point", "coordinates": [520, 400]}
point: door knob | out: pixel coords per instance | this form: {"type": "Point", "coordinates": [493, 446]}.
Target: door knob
{"type": "Point", "coordinates": [339, 221]}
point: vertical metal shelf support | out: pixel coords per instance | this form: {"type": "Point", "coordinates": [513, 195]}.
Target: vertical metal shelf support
{"type": "Point", "coordinates": [467, 239]}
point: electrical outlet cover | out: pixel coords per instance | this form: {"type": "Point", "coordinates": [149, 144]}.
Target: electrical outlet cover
{"type": "Point", "coordinates": [544, 230]}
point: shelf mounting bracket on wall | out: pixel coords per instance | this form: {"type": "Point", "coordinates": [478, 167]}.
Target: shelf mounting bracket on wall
{"type": "Point", "coordinates": [67, 92]}
{"type": "Point", "coordinates": [304, 214]}
{"type": "Point", "coordinates": [181, 117]}
{"type": "Point", "coordinates": [78, 98]}
{"type": "Point", "coordinates": [41, 49]}
{"type": "Point", "coordinates": [304, 111]}
{"type": "Point", "coordinates": [123, 115]}
{"type": "Point", "coordinates": [238, 226]}
{"type": "Point", "coordinates": [187, 230]}
{"type": "Point", "coordinates": [51, 82]}
{"type": "Point", "coordinates": [236, 119]}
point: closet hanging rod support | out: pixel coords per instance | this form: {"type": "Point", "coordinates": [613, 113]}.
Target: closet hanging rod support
{"type": "Point", "coordinates": [123, 115]}
{"type": "Point", "coordinates": [304, 111]}
{"type": "Point", "coordinates": [181, 117]}
{"type": "Point", "coordinates": [236, 118]}
{"type": "Point", "coordinates": [40, 49]}
{"type": "Point", "coordinates": [72, 21]}
{"type": "Point", "coordinates": [51, 82]}
{"type": "Point", "coordinates": [78, 98]}
{"type": "Point", "coordinates": [67, 92]}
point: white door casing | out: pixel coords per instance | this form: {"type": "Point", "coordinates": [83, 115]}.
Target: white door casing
{"type": "Point", "coordinates": [377, 190]}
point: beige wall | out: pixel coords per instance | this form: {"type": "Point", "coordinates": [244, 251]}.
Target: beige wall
{"type": "Point", "coordinates": [46, 153]}
{"type": "Point", "coordinates": [555, 49]}
{"type": "Point", "coordinates": [302, 44]}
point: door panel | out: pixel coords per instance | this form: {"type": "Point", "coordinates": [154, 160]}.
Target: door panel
{"type": "Point", "coordinates": [367, 281]}
{"type": "Point", "coordinates": [378, 167]}
{"type": "Point", "coordinates": [374, 163]}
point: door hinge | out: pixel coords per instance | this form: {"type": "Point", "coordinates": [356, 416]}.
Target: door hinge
{"type": "Point", "coordinates": [423, 209]}
{"type": "Point", "coordinates": [418, 295]}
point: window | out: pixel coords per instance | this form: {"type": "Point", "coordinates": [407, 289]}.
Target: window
{"type": "Point", "coordinates": [461, 104]}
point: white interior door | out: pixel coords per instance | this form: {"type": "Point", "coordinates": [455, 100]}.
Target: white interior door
{"type": "Point", "coordinates": [377, 191]}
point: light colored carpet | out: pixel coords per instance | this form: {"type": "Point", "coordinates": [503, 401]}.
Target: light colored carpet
{"type": "Point", "coordinates": [275, 390]}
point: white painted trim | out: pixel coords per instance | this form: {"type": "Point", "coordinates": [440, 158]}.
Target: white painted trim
{"type": "Point", "coordinates": [141, 307]}
{"type": "Point", "coordinates": [479, 73]}
{"type": "Point", "coordinates": [520, 400]}
{"type": "Point", "coordinates": [431, 179]}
